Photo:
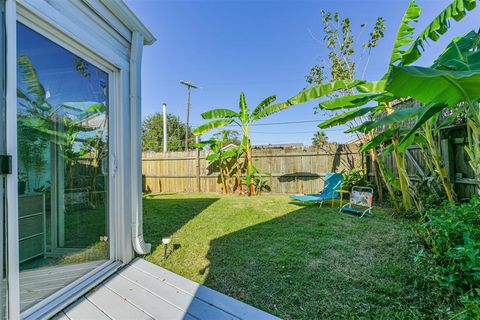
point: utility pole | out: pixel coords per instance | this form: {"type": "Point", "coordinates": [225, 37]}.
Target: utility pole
{"type": "Point", "coordinates": [189, 86]}
{"type": "Point", "coordinates": [165, 138]}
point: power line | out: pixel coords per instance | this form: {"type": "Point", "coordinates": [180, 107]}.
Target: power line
{"type": "Point", "coordinates": [280, 123]}
{"type": "Point", "coordinates": [296, 132]}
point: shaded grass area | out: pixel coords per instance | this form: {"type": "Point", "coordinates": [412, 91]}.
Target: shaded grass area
{"type": "Point", "coordinates": [296, 262]}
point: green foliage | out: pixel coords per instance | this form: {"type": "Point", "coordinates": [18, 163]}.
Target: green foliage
{"type": "Point", "coordinates": [244, 118]}
{"type": "Point", "coordinates": [152, 133]}
{"type": "Point", "coordinates": [354, 177]}
{"type": "Point", "coordinates": [341, 62]}
{"type": "Point", "coordinates": [452, 239]}
{"type": "Point", "coordinates": [345, 117]}
{"type": "Point", "coordinates": [228, 137]}
{"type": "Point", "coordinates": [457, 10]}
{"type": "Point", "coordinates": [405, 31]}
{"type": "Point", "coordinates": [430, 85]}
{"type": "Point", "coordinates": [225, 159]}
{"type": "Point", "coordinates": [319, 139]}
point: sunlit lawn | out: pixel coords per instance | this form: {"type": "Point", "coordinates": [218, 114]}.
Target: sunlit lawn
{"type": "Point", "coordinates": [296, 262]}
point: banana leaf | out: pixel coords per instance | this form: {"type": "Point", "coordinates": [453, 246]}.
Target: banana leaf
{"type": "Point", "coordinates": [322, 90]}
{"type": "Point", "coordinates": [372, 86]}
{"type": "Point", "coordinates": [244, 110]}
{"type": "Point", "coordinates": [355, 100]}
{"type": "Point", "coordinates": [434, 86]}
{"type": "Point", "coordinates": [271, 109]}
{"type": "Point", "coordinates": [458, 49]}
{"type": "Point", "coordinates": [29, 76]}
{"type": "Point", "coordinates": [378, 139]}
{"type": "Point", "coordinates": [219, 113]}
{"type": "Point", "coordinates": [405, 31]}
{"type": "Point", "coordinates": [345, 117]}
{"type": "Point", "coordinates": [427, 112]}
{"type": "Point", "coordinates": [265, 103]}
{"type": "Point", "coordinates": [215, 124]}
{"type": "Point", "coordinates": [362, 128]}
{"type": "Point", "coordinates": [396, 116]}
{"type": "Point", "coordinates": [457, 10]}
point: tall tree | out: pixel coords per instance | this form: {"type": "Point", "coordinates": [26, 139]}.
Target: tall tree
{"type": "Point", "coordinates": [319, 138]}
{"type": "Point", "coordinates": [343, 61]}
{"type": "Point", "coordinates": [152, 133]}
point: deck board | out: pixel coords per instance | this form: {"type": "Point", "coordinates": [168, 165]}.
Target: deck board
{"type": "Point", "coordinates": [36, 284]}
{"type": "Point", "coordinates": [103, 298]}
{"type": "Point", "coordinates": [142, 290]}
{"type": "Point", "coordinates": [85, 310]}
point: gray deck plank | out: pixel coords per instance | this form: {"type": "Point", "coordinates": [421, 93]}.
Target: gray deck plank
{"type": "Point", "coordinates": [115, 306]}
{"type": "Point", "coordinates": [85, 310]}
{"type": "Point", "coordinates": [59, 269]}
{"type": "Point", "coordinates": [215, 298]}
{"type": "Point", "coordinates": [61, 316]}
{"type": "Point", "coordinates": [144, 300]}
{"type": "Point", "coordinates": [36, 284]}
{"type": "Point", "coordinates": [175, 296]}
{"type": "Point", "coordinates": [145, 291]}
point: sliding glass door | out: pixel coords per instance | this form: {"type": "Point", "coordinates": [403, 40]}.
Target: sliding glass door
{"type": "Point", "coordinates": [5, 169]}
{"type": "Point", "coordinates": [62, 138]}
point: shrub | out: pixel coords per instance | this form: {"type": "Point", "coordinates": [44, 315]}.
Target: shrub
{"type": "Point", "coordinates": [452, 240]}
{"type": "Point", "coordinates": [354, 177]}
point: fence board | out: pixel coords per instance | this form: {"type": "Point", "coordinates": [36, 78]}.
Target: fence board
{"type": "Point", "coordinates": [454, 157]}
{"type": "Point", "coordinates": [294, 170]}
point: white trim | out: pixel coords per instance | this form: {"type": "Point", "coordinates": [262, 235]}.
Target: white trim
{"type": "Point", "coordinates": [124, 14]}
{"type": "Point", "coordinates": [136, 153]}
{"type": "Point", "coordinates": [61, 28]}
{"type": "Point", "coordinates": [12, 184]}
{"type": "Point", "coordinates": [35, 23]}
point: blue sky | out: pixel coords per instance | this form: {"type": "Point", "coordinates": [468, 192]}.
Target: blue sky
{"type": "Point", "coordinates": [260, 48]}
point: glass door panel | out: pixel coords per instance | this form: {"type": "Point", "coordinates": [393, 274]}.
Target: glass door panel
{"type": "Point", "coordinates": [62, 120]}
{"type": "Point", "coordinates": [3, 151]}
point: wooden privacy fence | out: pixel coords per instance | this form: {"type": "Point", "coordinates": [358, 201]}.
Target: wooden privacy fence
{"type": "Point", "coordinates": [452, 142]}
{"type": "Point", "coordinates": [293, 170]}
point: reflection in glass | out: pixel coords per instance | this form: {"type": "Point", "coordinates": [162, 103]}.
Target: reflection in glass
{"type": "Point", "coordinates": [62, 137]}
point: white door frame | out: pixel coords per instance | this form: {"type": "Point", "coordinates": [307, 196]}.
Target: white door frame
{"type": "Point", "coordinates": [116, 208]}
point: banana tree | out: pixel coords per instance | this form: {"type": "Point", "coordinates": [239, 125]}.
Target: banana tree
{"type": "Point", "coordinates": [226, 160]}
{"type": "Point", "coordinates": [374, 92]}
{"type": "Point", "coordinates": [451, 82]}
{"type": "Point", "coordinates": [244, 118]}
{"type": "Point", "coordinates": [378, 92]}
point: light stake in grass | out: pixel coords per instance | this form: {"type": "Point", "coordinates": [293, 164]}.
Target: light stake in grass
{"type": "Point", "coordinates": [165, 242]}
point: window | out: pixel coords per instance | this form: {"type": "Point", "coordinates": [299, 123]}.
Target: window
{"type": "Point", "coordinates": [62, 138]}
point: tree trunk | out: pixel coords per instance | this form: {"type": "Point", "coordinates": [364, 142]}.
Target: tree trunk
{"type": "Point", "coordinates": [383, 172]}
{"type": "Point", "coordinates": [375, 167]}
{"type": "Point", "coordinates": [248, 154]}
{"type": "Point", "coordinates": [403, 177]}
{"type": "Point", "coordinates": [442, 172]}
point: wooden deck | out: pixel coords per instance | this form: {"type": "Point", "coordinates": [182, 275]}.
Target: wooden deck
{"type": "Point", "coordinates": [143, 290]}
{"type": "Point", "coordinates": [36, 284]}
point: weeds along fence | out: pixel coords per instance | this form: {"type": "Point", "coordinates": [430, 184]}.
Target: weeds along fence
{"type": "Point", "coordinates": [293, 170]}
{"type": "Point", "coordinates": [456, 161]}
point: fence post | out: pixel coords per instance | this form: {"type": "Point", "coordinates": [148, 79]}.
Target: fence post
{"type": "Point", "coordinates": [197, 164]}
{"type": "Point", "coordinates": [447, 158]}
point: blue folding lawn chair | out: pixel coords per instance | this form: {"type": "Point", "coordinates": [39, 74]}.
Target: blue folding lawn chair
{"type": "Point", "coordinates": [333, 182]}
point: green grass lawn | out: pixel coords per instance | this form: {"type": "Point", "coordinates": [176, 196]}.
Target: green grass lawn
{"type": "Point", "coordinates": [296, 262]}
